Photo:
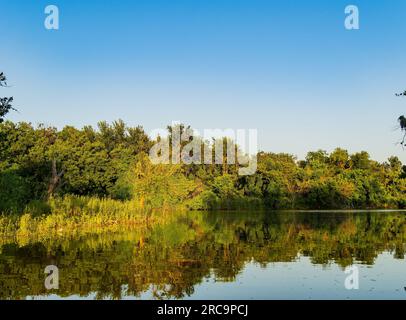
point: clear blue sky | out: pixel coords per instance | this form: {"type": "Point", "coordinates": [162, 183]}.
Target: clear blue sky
{"type": "Point", "coordinates": [286, 68]}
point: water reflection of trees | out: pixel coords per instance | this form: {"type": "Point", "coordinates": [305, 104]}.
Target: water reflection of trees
{"type": "Point", "coordinates": [172, 258]}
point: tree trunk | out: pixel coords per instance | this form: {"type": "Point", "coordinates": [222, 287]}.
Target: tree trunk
{"type": "Point", "coordinates": [55, 179]}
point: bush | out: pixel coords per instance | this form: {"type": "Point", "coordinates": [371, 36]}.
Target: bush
{"type": "Point", "coordinates": [38, 208]}
{"type": "Point", "coordinates": [14, 192]}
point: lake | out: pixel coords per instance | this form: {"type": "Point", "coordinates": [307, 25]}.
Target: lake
{"type": "Point", "coordinates": [220, 255]}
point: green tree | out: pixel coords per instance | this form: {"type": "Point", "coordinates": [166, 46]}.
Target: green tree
{"type": "Point", "coordinates": [159, 185]}
{"type": "Point", "coordinates": [339, 158]}
{"type": "Point", "coordinates": [361, 160]}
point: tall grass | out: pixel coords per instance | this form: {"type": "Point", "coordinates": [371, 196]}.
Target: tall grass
{"type": "Point", "coordinates": [74, 215]}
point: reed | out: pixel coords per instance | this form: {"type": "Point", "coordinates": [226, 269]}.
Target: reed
{"type": "Point", "coordinates": [79, 215]}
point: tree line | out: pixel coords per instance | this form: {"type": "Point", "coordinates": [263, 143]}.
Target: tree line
{"type": "Point", "coordinates": [111, 161]}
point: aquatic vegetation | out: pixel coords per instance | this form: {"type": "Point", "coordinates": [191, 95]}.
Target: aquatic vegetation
{"type": "Point", "coordinates": [75, 215]}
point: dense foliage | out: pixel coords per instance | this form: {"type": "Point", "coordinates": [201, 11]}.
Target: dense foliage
{"type": "Point", "coordinates": [39, 163]}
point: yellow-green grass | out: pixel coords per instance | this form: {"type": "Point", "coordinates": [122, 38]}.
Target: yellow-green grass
{"type": "Point", "coordinates": [72, 216]}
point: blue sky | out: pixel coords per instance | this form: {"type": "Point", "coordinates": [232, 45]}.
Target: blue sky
{"type": "Point", "coordinates": [287, 68]}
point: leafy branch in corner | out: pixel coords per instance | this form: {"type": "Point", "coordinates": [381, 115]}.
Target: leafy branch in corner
{"type": "Point", "coordinates": [3, 80]}
{"type": "Point", "coordinates": [402, 121]}
{"type": "Point", "coordinates": [5, 103]}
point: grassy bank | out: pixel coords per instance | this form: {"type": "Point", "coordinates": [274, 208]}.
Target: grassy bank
{"type": "Point", "coordinates": [73, 215]}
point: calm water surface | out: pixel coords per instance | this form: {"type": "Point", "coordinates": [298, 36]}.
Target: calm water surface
{"type": "Point", "coordinates": [239, 255]}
